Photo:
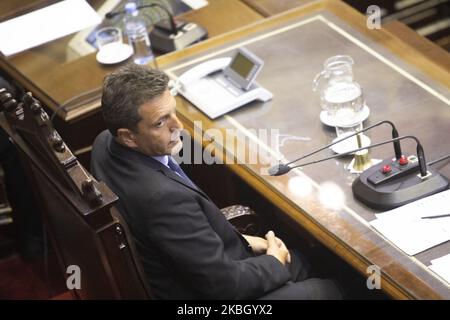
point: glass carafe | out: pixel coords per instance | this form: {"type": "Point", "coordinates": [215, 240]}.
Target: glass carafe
{"type": "Point", "coordinates": [340, 96]}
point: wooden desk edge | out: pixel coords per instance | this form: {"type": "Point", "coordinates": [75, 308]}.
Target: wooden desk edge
{"type": "Point", "coordinates": [432, 52]}
{"type": "Point", "coordinates": [306, 221]}
{"type": "Point", "coordinates": [422, 45]}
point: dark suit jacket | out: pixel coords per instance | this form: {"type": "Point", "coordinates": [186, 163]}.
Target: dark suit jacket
{"type": "Point", "coordinates": [188, 248]}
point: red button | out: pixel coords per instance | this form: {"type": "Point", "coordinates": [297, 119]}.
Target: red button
{"type": "Point", "coordinates": [403, 160]}
{"type": "Point", "coordinates": [386, 169]}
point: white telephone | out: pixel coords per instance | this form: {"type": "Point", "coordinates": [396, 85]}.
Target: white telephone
{"type": "Point", "coordinates": [202, 70]}
{"type": "Point", "coordinates": [221, 85]}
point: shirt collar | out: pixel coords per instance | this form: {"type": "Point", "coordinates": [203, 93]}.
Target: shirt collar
{"type": "Point", "coordinates": [163, 159]}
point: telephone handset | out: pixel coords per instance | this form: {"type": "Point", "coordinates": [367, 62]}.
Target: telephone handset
{"type": "Point", "coordinates": [221, 85]}
{"type": "Point", "coordinates": [203, 69]}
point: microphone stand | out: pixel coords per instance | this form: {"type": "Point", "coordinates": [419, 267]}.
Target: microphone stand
{"type": "Point", "coordinates": [175, 36]}
{"type": "Point", "coordinates": [420, 153]}
{"type": "Point", "coordinates": [389, 184]}
{"type": "Point", "coordinates": [281, 169]}
{"type": "Point", "coordinates": [173, 25]}
{"type": "Point", "coordinates": [397, 148]}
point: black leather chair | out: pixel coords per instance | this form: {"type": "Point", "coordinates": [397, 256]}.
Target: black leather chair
{"type": "Point", "coordinates": [85, 228]}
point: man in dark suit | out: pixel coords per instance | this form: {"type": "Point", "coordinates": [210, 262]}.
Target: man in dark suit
{"type": "Point", "coordinates": [189, 250]}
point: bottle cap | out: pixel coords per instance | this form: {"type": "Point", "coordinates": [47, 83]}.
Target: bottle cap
{"type": "Point", "coordinates": [130, 7]}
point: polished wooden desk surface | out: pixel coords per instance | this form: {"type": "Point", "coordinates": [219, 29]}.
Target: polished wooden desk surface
{"type": "Point", "coordinates": [331, 28]}
{"type": "Point", "coordinates": [427, 48]}
{"type": "Point", "coordinates": [422, 46]}
{"type": "Point", "coordinates": [269, 7]}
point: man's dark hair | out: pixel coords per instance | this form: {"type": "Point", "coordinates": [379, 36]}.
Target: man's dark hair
{"type": "Point", "coordinates": [125, 90]}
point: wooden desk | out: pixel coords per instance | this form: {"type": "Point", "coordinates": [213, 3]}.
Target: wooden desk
{"type": "Point", "coordinates": [270, 7]}
{"type": "Point", "coordinates": [45, 72]}
{"type": "Point", "coordinates": [421, 44]}
{"type": "Point", "coordinates": [11, 9]}
{"type": "Point", "coordinates": [399, 85]}
{"type": "Point", "coordinates": [417, 43]}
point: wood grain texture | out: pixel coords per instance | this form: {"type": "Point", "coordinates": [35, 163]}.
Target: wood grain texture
{"type": "Point", "coordinates": [407, 41]}
{"type": "Point", "coordinates": [270, 7]}
{"type": "Point", "coordinates": [421, 44]}
{"type": "Point", "coordinates": [396, 45]}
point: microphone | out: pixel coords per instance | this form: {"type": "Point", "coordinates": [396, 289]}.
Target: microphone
{"type": "Point", "coordinates": [173, 36]}
{"type": "Point", "coordinates": [391, 183]}
{"type": "Point", "coordinates": [420, 154]}
{"type": "Point", "coordinates": [281, 169]}
{"type": "Point", "coordinates": [173, 25]}
{"type": "Point", "coordinates": [111, 14]}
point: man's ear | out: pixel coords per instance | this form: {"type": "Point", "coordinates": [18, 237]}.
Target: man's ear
{"type": "Point", "coordinates": [127, 137]}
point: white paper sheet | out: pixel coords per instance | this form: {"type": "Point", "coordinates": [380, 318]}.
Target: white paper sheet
{"type": "Point", "coordinates": [442, 260]}
{"type": "Point", "coordinates": [406, 228]}
{"type": "Point", "coordinates": [441, 267]}
{"type": "Point", "coordinates": [46, 24]}
{"type": "Point", "coordinates": [196, 4]}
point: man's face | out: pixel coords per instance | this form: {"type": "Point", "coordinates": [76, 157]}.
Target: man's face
{"type": "Point", "coordinates": [158, 133]}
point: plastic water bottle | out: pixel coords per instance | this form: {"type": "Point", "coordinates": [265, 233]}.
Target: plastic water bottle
{"type": "Point", "coordinates": [136, 31]}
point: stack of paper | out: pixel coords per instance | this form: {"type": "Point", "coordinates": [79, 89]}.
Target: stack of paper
{"type": "Point", "coordinates": [441, 267]}
{"type": "Point", "coordinates": [406, 227]}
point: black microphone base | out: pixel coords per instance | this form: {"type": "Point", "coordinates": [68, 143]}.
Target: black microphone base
{"type": "Point", "coordinates": [163, 41]}
{"type": "Point", "coordinates": [400, 191]}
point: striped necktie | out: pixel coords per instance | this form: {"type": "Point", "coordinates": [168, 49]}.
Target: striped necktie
{"type": "Point", "coordinates": [177, 169]}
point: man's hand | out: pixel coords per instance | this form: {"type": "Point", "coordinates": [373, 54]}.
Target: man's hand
{"type": "Point", "coordinates": [277, 248]}
{"type": "Point", "coordinates": [280, 243]}
{"type": "Point", "coordinates": [258, 244]}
